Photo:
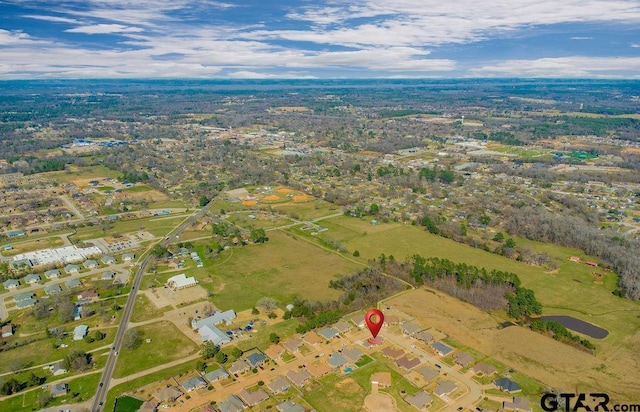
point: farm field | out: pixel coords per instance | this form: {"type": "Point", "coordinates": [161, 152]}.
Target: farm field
{"type": "Point", "coordinates": [167, 344]}
{"type": "Point", "coordinates": [282, 268]}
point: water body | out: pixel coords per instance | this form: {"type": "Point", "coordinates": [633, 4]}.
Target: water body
{"type": "Point", "coordinates": [578, 325]}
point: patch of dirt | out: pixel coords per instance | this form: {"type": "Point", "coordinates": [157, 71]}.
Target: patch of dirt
{"type": "Point", "coordinates": [379, 402]}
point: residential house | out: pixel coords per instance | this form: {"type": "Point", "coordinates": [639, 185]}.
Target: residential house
{"type": "Point", "coordinates": [90, 264]}
{"type": "Point", "coordinates": [88, 295]}
{"type": "Point", "coordinates": [428, 373]}
{"type": "Point", "coordinates": [410, 328]}
{"type": "Point", "coordinates": [194, 383]}
{"type": "Point", "coordinates": [352, 354]}
{"type": "Point", "coordinates": [26, 303]}
{"type": "Point", "coordinates": [149, 406]}
{"type": "Point", "coordinates": [441, 348]}
{"type": "Point", "coordinates": [59, 389]}
{"type": "Point", "coordinates": [518, 404]}
{"type": "Point", "coordinates": [424, 336]}
{"type": "Point", "coordinates": [420, 400]}
{"type": "Point", "coordinates": [73, 283]}
{"type": "Point", "coordinates": [444, 388]}
{"type": "Point", "coordinates": [32, 278]}
{"type": "Point", "coordinates": [253, 398]}
{"type": "Point", "coordinates": [507, 385]}
{"type": "Point", "coordinates": [318, 369]}
{"type": "Point", "coordinates": [278, 385]}
{"type": "Point", "coordinates": [288, 406]}
{"type": "Point", "coordinates": [328, 333]}
{"type": "Point", "coordinates": [484, 369]}
{"type": "Point", "coordinates": [239, 366]}
{"type": "Point", "coordinates": [336, 360]}
{"type": "Point", "coordinates": [52, 289]}
{"type": "Point", "coordinates": [7, 330]}
{"type": "Point", "coordinates": [71, 268]}
{"type": "Point", "coordinates": [232, 404]}
{"type": "Point", "coordinates": [274, 351]}
{"type": "Point", "coordinates": [217, 318]}
{"type": "Point", "coordinates": [292, 344]}
{"type": "Point", "coordinates": [216, 375]}
{"type": "Point", "coordinates": [312, 338]}
{"type": "Point", "coordinates": [128, 257]}
{"type": "Point", "coordinates": [11, 284]}
{"type": "Point", "coordinates": [407, 362]}
{"type": "Point", "coordinates": [23, 296]}
{"type": "Point", "coordinates": [80, 332]}
{"type": "Point", "coordinates": [256, 359]}
{"type": "Point", "coordinates": [206, 408]}
{"type": "Point", "coordinates": [52, 274]}
{"type": "Point", "coordinates": [382, 379]}
{"type": "Point", "coordinates": [108, 259]}
{"type": "Point", "coordinates": [210, 333]}
{"type": "Point", "coordinates": [392, 353]}
{"type": "Point", "coordinates": [108, 275]}
{"type": "Point", "coordinates": [168, 394]}
{"type": "Point", "coordinates": [299, 377]}
{"type": "Point", "coordinates": [181, 281]}
{"type": "Point", "coordinates": [391, 320]}
{"type": "Point", "coordinates": [359, 321]}
{"type": "Point", "coordinates": [342, 327]}
{"type": "Point", "coordinates": [463, 358]}
{"type": "Point", "coordinates": [58, 368]}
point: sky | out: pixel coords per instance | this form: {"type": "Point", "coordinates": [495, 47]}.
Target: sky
{"type": "Point", "coordinates": [319, 39]}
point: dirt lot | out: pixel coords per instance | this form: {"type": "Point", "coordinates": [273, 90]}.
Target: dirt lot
{"type": "Point", "coordinates": [533, 354]}
{"type": "Point", "coordinates": [162, 297]}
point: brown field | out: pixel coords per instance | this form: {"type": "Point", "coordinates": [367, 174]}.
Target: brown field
{"type": "Point", "coordinates": [551, 362]}
{"type": "Point", "coordinates": [284, 190]}
{"type": "Point", "coordinates": [249, 202]}
{"type": "Point", "coordinates": [631, 150]}
{"type": "Point", "coordinates": [271, 198]}
{"type": "Point", "coordinates": [301, 198]}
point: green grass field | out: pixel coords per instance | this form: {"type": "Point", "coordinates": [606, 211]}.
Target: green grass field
{"type": "Point", "coordinates": [155, 225]}
{"type": "Point", "coordinates": [282, 268]}
{"type": "Point", "coordinates": [167, 344]}
{"type": "Point", "coordinates": [570, 291]}
{"type": "Point", "coordinates": [87, 172]}
{"type": "Point", "coordinates": [144, 310]}
{"type": "Point", "coordinates": [127, 404]}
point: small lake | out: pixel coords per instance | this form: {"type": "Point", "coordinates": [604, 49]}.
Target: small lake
{"type": "Point", "coordinates": [578, 325]}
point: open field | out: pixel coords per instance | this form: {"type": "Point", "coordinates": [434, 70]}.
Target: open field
{"type": "Point", "coordinates": [25, 246]}
{"type": "Point", "coordinates": [75, 173]}
{"type": "Point", "coordinates": [155, 225]}
{"type": "Point", "coordinates": [529, 353]}
{"type": "Point", "coordinates": [145, 310]}
{"type": "Point", "coordinates": [167, 344]}
{"type": "Point", "coordinates": [282, 268]}
{"type": "Point", "coordinates": [260, 220]}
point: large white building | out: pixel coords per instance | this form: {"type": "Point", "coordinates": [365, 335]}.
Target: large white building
{"type": "Point", "coordinates": [181, 281]}
{"type": "Point", "coordinates": [64, 255]}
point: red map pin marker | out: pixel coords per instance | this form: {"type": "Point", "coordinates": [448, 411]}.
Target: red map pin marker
{"type": "Point", "coordinates": [374, 326]}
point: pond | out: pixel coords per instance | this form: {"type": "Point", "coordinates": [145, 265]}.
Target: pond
{"type": "Point", "coordinates": [578, 325]}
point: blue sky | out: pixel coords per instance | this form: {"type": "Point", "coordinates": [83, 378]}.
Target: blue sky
{"type": "Point", "coordinates": [319, 39]}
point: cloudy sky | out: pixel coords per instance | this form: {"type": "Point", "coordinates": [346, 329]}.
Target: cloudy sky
{"type": "Point", "coordinates": [319, 39]}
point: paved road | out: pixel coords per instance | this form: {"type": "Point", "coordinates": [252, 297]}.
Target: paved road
{"type": "Point", "coordinates": [105, 381]}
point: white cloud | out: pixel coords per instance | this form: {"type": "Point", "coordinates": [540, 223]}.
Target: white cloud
{"type": "Point", "coordinates": [635, 45]}
{"type": "Point", "coordinates": [105, 29]}
{"type": "Point", "coordinates": [54, 19]}
{"type": "Point", "coordinates": [246, 74]}
{"type": "Point", "coordinates": [581, 38]}
{"type": "Point", "coordinates": [574, 66]}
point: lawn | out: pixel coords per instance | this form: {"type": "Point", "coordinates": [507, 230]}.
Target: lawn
{"type": "Point", "coordinates": [282, 268]}
{"type": "Point", "coordinates": [31, 245]}
{"type": "Point", "coordinates": [167, 344]}
{"type": "Point", "coordinates": [76, 173]}
{"type": "Point", "coordinates": [261, 340]}
{"type": "Point", "coordinates": [127, 404]}
{"type": "Point", "coordinates": [155, 225]}
{"type": "Point", "coordinates": [144, 310]}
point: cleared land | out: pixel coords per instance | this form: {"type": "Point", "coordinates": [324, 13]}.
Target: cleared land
{"type": "Point", "coordinates": [167, 344]}
{"type": "Point", "coordinates": [528, 352]}
{"type": "Point", "coordinates": [282, 268]}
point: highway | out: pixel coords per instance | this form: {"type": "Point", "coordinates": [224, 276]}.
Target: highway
{"type": "Point", "coordinates": [105, 381]}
